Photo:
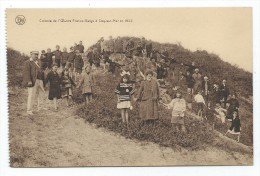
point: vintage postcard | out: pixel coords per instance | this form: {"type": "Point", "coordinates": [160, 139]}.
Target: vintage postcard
{"type": "Point", "coordinates": [130, 86]}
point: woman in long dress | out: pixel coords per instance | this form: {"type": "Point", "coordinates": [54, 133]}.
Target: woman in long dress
{"type": "Point", "coordinates": [148, 95]}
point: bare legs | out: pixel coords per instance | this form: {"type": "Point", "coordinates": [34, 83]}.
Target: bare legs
{"type": "Point", "coordinates": [124, 115]}
{"type": "Point", "coordinates": [55, 103]}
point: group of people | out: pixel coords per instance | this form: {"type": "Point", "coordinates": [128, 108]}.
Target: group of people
{"type": "Point", "coordinates": [155, 70]}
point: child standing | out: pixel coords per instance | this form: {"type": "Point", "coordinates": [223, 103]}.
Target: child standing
{"type": "Point", "coordinates": [54, 90]}
{"type": "Point", "coordinates": [66, 83]}
{"type": "Point", "coordinates": [124, 92]}
{"type": "Point", "coordinates": [178, 106]}
{"type": "Point", "coordinates": [87, 82]}
{"type": "Point", "coordinates": [235, 126]}
{"type": "Point", "coordinates": [200, 103]}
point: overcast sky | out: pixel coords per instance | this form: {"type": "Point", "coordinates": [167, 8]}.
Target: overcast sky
{"type": "Point", "coordinates": [223, 31]}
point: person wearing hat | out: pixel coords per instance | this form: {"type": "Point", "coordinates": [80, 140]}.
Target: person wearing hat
{"type": "Point", "coordinates": [33, 78]}
{"type": "Point", "coordinates": [205, 87]}
{"type": "Point", "coordinates": [224, 92]}
{"type": "Point", "coordinates": [197, 77]}
{"type": "Point", "coordinates": [148, 96]}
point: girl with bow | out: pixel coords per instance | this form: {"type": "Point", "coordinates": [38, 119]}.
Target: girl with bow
{"type": "Point", "coordinates": [124, 91]}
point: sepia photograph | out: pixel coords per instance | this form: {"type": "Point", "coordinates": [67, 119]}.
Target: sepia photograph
{"type": "Point", "coordinates": [130, 86]}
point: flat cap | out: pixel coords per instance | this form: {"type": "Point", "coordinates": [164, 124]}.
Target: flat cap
{"type": "Point", "coordinates": [34, 52]}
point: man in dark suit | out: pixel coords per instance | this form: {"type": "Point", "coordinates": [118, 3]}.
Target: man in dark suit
{"type": "Point", "coordinates": [33, 77]}
{"type": "Point", "coordinates": [224, 92]}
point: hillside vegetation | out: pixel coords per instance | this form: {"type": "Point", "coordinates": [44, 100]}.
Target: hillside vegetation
{"type": "Point", "coordinates": [103, 112]}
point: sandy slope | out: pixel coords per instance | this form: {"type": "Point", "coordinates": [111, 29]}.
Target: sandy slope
{"type": "Point", "coordinates": [62, 139]}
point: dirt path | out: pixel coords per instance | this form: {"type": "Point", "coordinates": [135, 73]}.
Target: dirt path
{"type": "Point", "coordinates": [62, 139]}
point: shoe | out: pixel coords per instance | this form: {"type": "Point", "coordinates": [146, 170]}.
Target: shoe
{"type": "Point", "coordinates": [30, 113]}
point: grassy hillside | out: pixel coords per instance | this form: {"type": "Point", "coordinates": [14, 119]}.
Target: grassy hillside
{"type": "Point", "coordinates": [209, 64]}
{"type": "Point", "coordinates": [15, 62]}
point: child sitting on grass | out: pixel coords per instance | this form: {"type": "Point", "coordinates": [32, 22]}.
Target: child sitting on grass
{"type": "Point", "coordinates": [66, 85]}
{"type": "Point", "coordinates": [178, 106]}
{"type": "Point", "coordinates": [220, 112]}
{"type": "Point", "coordinates": [124, 92]}
{"type": "Point", "coordinates": [235, 126]}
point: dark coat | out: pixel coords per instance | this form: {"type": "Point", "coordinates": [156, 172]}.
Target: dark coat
{"type": "Point", "coordinates": [55, 83]}
{"type": "Point", "coordinates": [90, 57]}
{"type": "Point", "coordinates": [65, 56]}
{"type": "Point", "coordinates": [224, 90]}
{"type": "Point", "coordinates": [189, 80]}
{"type": "Point", "coordinates": [161, 72]}
{"type": "Point", "coordinates": [233, 106]}
{"type": "Point", "coordinates": [78, 62]}
{"type": "Point", "coordinates": [71, 57]}
{"type": "Point", "coordinates": [215, 96]}
{"type": "Point", "coordinates": [49, 59]}
{"type": "Point", "coordinates": [190, 68]}
{"type": "Point", "coordinates": [30, 73]}
{"type": "Point", "coordinates": [81, 48]}
{"type": "Point", "coordinates": [57, 54]}
{"type": "Point", "coordinates": [235, 125]}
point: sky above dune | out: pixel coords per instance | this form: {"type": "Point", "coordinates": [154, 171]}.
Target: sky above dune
{"type": "Point", "coordinates": [226, 32]}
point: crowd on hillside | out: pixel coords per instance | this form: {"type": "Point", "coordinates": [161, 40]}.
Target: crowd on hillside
{"type": "Point", "coordinates": [149, 76]}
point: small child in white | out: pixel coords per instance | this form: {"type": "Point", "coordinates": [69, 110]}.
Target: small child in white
{"type": "Point", "coordinates": [200, 103]}
{"type": "Point", "coordinates": [178, 106]}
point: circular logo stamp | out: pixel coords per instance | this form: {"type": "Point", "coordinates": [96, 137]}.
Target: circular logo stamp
{"type": "Point", "coordinates": [20, 19]}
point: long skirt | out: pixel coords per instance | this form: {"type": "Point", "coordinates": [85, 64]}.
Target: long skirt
{"type": "Point", "coordinates": [148, 110]}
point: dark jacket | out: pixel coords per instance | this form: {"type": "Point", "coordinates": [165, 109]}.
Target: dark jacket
{"type": "Point", "coordinates": [49, 59]}
{"type": "Point", "coordinates": [235, 125]}
{"type": "Point", "coordinates": [57, 54]}
{"type": "Point", "coordinates": [189, 80]}
{"type": "Point", "coordinates": [55, 82]}
{"type": "Point", "coordinates": [81, 48]}
{"type": "Point", "coordinates": [65, 56]}
{"type": "Point", "coordinates": [71, 57]}
{"type": "Point", "coordinates": [30, 72]}
{"type": "Point", "coordinates": [78, 62]}
{"type": "Point", "coordinates": [224, 90]}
